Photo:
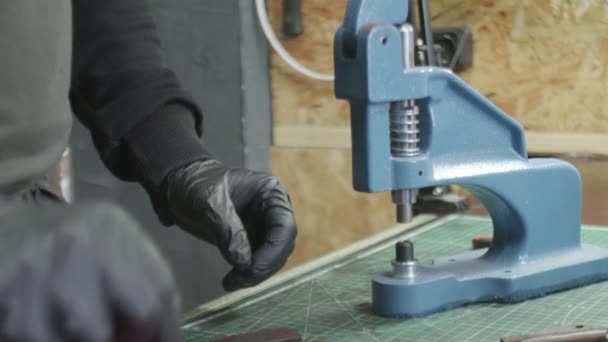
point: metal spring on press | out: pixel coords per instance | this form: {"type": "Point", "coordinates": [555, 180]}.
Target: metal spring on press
{"type": "Point", "coordinates": [404, 129]}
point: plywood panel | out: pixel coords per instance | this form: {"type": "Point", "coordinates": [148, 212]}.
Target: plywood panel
{"type": "Point", "coordinates": [329, 213]}
{"type": "Point", "coordinates": [298, 100]}
{"type": "Point", "coordinates": [542, 61]}
{"type": "Point", "coordinates": [537, 142]}
{"type": "Point", "coordinates": [594, 175]}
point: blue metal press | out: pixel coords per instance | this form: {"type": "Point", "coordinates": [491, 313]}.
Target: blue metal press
{"type": "Point", "coordinates": [415, 127]}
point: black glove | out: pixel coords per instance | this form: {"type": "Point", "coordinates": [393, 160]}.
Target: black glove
{"type": "Point", "coordinates": [82, 273]}
{"type": "Point", "coordinates": [246, 214]}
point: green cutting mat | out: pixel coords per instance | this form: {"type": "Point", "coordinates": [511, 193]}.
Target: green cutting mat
{"type": "Point", "coordinates": [334, 303]}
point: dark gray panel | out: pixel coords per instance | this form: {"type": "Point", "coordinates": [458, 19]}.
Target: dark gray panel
{"type": "Point", "coordinates": [257, 116]}
{"type": "Point", "coordinates": [202, 44]}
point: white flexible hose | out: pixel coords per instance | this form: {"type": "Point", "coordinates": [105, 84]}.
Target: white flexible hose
{"type": "Point", "coordinates": [280, 50]}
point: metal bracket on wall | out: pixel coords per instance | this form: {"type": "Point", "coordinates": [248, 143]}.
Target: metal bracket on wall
{"type": "Point", "coordinates": [292, 18]}
{"type": "Point", "coordinates": [453, 47]}
{"type": "Point", "coordinates": [450, 47]}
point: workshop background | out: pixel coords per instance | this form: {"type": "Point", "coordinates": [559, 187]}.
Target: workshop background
{"type": "Point", "coordinates": [542, 61]}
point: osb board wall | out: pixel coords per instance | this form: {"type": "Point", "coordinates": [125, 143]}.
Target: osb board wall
{"type": "Point", "coordinates": [329, 214]}
{"type": "Point", "coordinates": [542, 61]}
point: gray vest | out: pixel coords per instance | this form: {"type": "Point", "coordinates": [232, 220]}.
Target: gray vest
{"type": "Point", "coordinates": [35, 61]}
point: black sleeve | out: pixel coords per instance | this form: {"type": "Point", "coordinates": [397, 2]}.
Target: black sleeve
{"type": "Point", "coordinates": [142, 122]}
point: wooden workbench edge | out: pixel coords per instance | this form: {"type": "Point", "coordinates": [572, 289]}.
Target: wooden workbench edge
{"type": "Point", "coordinates": [306, 268]}
{"type": "Point", "coordinates": [538, 142]}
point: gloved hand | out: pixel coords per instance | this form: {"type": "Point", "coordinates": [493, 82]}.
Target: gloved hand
{"type": "Point", "coordinates": [82, 273]}
{"type": "Point", "coordinates": [246, 214]}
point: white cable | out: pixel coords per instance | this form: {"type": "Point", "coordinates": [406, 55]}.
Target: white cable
{"type": "Point", "coordinates": [278, 47]}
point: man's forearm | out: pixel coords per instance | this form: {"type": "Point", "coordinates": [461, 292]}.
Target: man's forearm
{"type": "Point", "coordinates": [126, 96]}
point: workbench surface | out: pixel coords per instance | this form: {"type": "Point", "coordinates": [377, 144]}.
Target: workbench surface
{"type": "Point", "coordinates": [332, 302]}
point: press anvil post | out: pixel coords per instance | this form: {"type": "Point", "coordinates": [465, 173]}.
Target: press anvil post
{"type": "Point", "coordinates": [463, 139]}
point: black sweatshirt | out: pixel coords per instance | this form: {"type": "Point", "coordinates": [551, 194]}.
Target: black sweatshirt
{"type": "Point", "coordinates": [142, 122]}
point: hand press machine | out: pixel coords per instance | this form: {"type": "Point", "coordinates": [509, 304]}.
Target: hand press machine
{"type": "Point", "coordinates": [415, 127]}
